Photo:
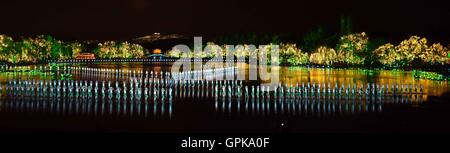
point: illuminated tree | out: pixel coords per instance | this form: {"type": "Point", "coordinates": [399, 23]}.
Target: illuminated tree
{"type": "Point", "coordinates": [43, 47]}
{"type": "Point", "coordinates": [26, 52]}
{"type": "Point", "coordinates": [242, 51]}
{"type": "Point", "coordinates": [57, 50]}
{"type": "Point", "coordinates": [292, 55]}
{"type": "Point", "coordinates": [137, 51]}
{"type": "Point", "coordinates": [75, 48]}
{"type": "Point", "coordinates": [409, 50]}
{"type": "Point", "coordinates": [351, 48]}
{"type": "Point", "coordinates": [174, 53]}
{"type": "Point", "coordinates": [106, 50]}
{"type": "Point", "coordinates": [324, 56]}
{"type": "Point", "coordinates": [47, 47]}
{"type": "Point", "coordinates": [435, 54]}
{"type": "Point", "coordinates": [413, 49]}
{"type": "Point", "coordinates": [6, 47]}
{"type": "Point", "coordinates": [111, 49]}
{"type": "Point", "coordinates": [387, 54]}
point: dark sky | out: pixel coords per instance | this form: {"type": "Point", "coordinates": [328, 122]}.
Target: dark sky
{"type": "Point", "coordinates": [122, 19]}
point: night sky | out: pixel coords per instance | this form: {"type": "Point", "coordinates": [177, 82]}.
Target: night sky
{"type": "Point", "coordinates": [124, 19]}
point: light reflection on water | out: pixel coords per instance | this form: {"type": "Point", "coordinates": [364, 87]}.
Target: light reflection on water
{"type": "Point", "coordinates": [360, 77]}
{"type": "Point", "coordinates": [230, 105]}
{"type": "Point", "coordinates": [87, 107]}
{"type": "Point", "coordinates": [317, 106]}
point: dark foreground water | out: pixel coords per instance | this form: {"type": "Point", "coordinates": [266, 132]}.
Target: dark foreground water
{"type": "Point", "coordinates": [422, 106]}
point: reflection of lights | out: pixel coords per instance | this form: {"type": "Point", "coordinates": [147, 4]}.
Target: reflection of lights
{"type": "Point", "coordinates": [314, 106]}
{"type": "Point", "coordinates": [83, 107]}
{"type": "Point", "coordinates": [317, 101]}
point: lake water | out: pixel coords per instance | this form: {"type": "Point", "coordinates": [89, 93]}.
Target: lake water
{"type": "Point", "coordinates": [336, 100]}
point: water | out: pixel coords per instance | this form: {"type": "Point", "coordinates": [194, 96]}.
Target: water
{"type": "Point", "coordinates": [133, 97]}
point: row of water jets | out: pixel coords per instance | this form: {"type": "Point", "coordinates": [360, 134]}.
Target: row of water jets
{"type": "Point", "coordinates": [166, 81]}
{"type": "Point", "coordinates": [308, 107]}
{"type": "Point", "coordinates": [136, 88]}
{"type": "Point", "coordinates": [246, 106]}
{"type": "Point", "coordinates": [139, 91]}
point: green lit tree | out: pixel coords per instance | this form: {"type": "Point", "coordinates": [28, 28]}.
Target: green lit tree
{"type": "Point", "coordinates": [352, 48]}
{"type": "Point", "coordinates": [6, 47]}
{"type": "Point", "coordinates": [111, 49]}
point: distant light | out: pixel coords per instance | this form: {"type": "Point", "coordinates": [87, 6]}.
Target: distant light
{"type": "Point", "coordinates": [157, 51]}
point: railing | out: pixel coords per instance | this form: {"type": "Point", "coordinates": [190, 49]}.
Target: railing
{"type": "Point", "coordinates": [145, 60]}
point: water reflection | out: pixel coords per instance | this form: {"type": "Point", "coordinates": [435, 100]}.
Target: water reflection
{"type": "Point", "coordinates": [86, 107]}
{"type": "Point", "coordinates": [139, 96]}
{"type": "Point", "coordinates": [99, 90]}
{"type": "Point", "coordinates": [317, 106]}
{"type": "Point", "coordinates": [360, 77]}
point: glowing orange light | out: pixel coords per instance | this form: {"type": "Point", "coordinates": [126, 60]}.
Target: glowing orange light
{"type": "Point", "coordinates": [157, 51]}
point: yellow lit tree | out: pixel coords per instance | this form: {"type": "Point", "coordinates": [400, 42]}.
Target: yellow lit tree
{"type": "Point", "coordinates": [292, 55]}
{"type": "Point", "coordinates": [6, 47]}
{"type": "Point", "coordinates": [413, 49]}
{"type": "Point", "coordinates": [111, 49]}
{"type": "Point", "coordinates": [435, 54]}
{"type": "Point", "coordinates": [387, 54]}
{"type": "Point", "coordinates": [324, 56]}
{"type": "Point", "coordinates": [351, 48]}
